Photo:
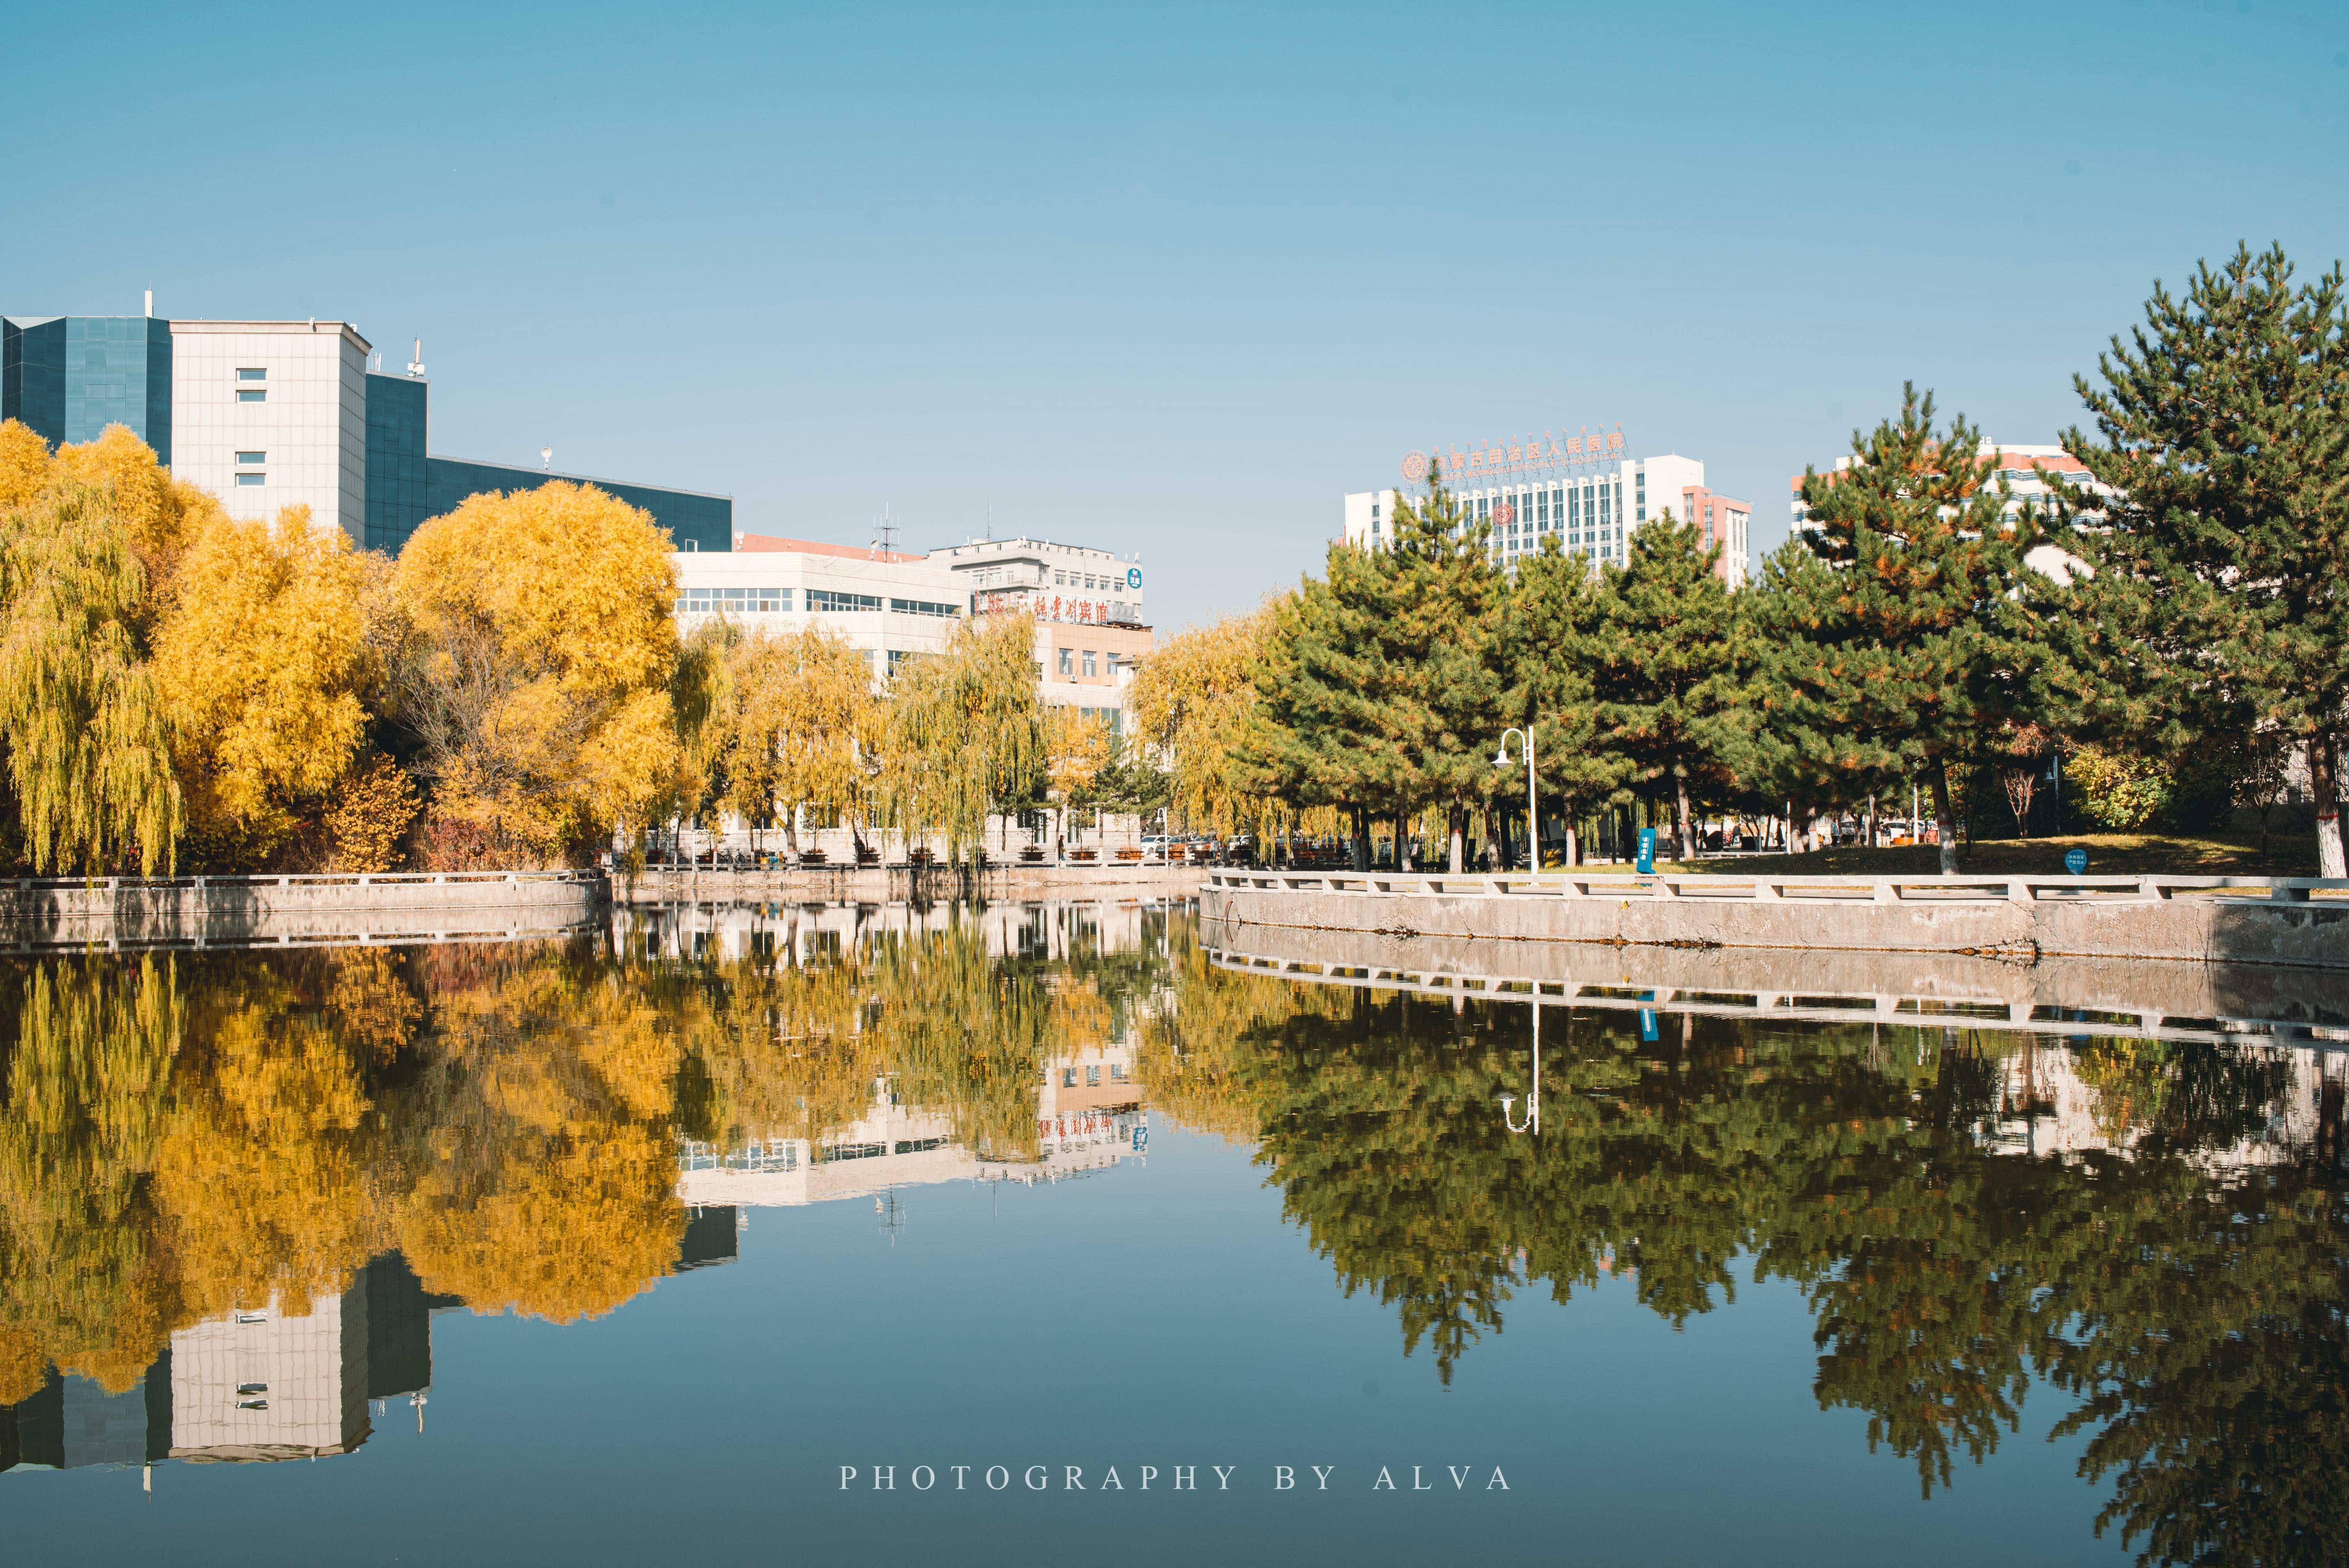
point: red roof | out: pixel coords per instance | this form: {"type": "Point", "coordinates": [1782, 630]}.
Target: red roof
{"type": "Point", "coordinates": [766, 541]}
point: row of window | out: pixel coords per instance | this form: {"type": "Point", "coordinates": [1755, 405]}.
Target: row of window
{"type": "Point", "coordinates": [1093, 1076]}
{"type": "Point", "coordinates": [774, 601]}
{"type": "Point", "coordinates": [1091, 671]}
{"type": "Point", "coordinates": [1085, 580]}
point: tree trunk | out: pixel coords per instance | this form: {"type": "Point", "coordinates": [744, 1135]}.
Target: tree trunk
{"type": "Point", "coordinates": [1358, 850]}
{"type": "Point", "coordinates": [1945, 827]}
{"type": "Point", "coordinates": [1688, 828]}
{"type": "Point", "coordinates": [2324, 780]}
{"type": "Point", "coordinates": [1458, 820]}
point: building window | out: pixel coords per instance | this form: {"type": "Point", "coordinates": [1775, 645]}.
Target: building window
{"type": "Point", "coordinates": [1089, 663]}
{"type": "Point", "coordinates": [1117, 1072]}
{"type": "Point", "coordinates": [256, 397]}
{"type": "Point", "coordinates": [251, 460]}
{"type": "Point", "coordinates": [251, 372]}
{"type": "Point", "coordinates": [1065, 656]}
{"type": "Point", "coordinates": [1092, 1077]}
{"type": "Point", "coordinates": [821, 599]}
{"type": "Point", "coordinates": [1068, 1078]}
{"type": "Point", "coordinates": [252, 479]}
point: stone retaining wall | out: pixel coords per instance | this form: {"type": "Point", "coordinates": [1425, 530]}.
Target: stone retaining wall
{"type": "Point", "coordinates": [2202, 929]}
{"type": "Point", "coordinates": [250, 909]}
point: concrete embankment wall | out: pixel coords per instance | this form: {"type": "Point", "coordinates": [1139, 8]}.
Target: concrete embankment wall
{"type": "Point", "coordinates": [2200, 928]}
{"type": "Point", "coordinates": [261, 908]}
{"type": "Point", "coordinates": [881, 884]}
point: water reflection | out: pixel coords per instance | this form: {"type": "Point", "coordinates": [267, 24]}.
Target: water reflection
{"type": "Point", "coordinates": [2154, 1226]}
{"type": "Point", "coordinates": [235, 1189]}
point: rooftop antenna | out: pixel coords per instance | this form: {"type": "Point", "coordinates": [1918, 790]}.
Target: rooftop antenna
{"type": "Point", "coordinates": [546, 459]}
{"type": "Point", "coordinates": [416, 365]}
{"type": "Point", "coordinates": [151, 305]}
{"type": "Point", "coordinates": [884, 532]}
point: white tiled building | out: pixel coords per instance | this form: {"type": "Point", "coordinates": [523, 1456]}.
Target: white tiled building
{"type": "Point", "coordinates": [891, 605]}
{"type": "Point", "coordinates": [1592, 507]}
{"type": "Point", "coordinates": [887, 603]}
{"type": "Point", "coordinates": [272, 414]}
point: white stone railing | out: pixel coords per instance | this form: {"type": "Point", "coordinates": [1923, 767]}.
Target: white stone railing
{"type": "Point", "coordinates": [1997, 888]}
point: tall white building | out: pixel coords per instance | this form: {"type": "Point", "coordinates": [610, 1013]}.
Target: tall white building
{"type": "Point", "coordinates": [272, 414]}
{"type": "Point", "coordinates": [1592, 504]}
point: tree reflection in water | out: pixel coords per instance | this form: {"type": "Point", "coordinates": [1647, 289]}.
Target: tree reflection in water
{"type": "Point", "coordinates": [186, 1136]}
{"type": "Point", "coordinates": [2184, 1283]}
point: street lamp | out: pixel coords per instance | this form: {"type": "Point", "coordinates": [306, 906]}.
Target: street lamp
{"type": "Point", "coordinates": [1533, 808]}
{"type": "Point", "coordinates": [1533, 1101]}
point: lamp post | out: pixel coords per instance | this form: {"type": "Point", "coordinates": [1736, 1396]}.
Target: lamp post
{"type": "Point", "coordinates": [1533, 808]}
{"type": "Point", "coordinates": [1533, 1101]}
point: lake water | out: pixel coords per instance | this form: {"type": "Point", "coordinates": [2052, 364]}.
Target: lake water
{"type": "Point", "coordinates": [817, 1234]}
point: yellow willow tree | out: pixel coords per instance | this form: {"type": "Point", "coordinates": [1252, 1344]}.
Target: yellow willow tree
{"type": "Point", "coordinates": [536, 673]}
{"type": "Point", "coordinates": [965, 733]}
{"type": "Point", "coordinates": [1076, 748]}
{"type": "Point", "coordinates": [85, 726]}
{"type": "Point", "coordinates": [262, 657]}
{"type": "Point", "coordinates": [1196, 702]}
{"type": "Point", "coordinates": [83, 1283]}
{"type": "Point", "coordinates": [794, 725]}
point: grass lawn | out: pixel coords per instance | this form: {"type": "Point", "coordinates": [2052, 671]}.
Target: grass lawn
{"type": "Point", "coordinates": [2223, 855]}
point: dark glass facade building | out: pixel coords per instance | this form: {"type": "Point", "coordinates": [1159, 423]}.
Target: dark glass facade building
{"type": "Point", "coordinates": [405, 485]}
{"type": "Point", "coordinates": [397, 487]}
{"type": "Point", "coordinates": [694, 521]}
{"type": "Point", "coordinates": [71, 377]}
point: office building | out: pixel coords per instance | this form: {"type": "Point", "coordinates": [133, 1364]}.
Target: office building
{"type": "Point", "coordinates": [892, 604]}
{"type": "Point", "coordinates": [1583, 490]}
{"type": "Point", "coordinates": [71, 377]}
{"type": "Point", "coordinates": [271, 414]}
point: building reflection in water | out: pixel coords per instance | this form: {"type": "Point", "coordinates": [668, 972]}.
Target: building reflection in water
{"type": "Point", "coordinates": [247, 1387]}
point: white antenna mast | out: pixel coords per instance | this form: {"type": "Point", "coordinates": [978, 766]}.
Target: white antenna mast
{"type": "Point", "coordinates": [884, 532]}
{"type": "Point", "coordinates": [416, 365]}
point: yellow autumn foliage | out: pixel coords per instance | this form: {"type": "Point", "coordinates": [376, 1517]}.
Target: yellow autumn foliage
{"type": "Point", "coordinates": [537, 667]}
{"type": "Point", "coordinates": [262, 657]}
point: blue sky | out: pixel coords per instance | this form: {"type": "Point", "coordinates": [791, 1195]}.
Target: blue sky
{"type": "Point", "coordinates": [1171, 279]}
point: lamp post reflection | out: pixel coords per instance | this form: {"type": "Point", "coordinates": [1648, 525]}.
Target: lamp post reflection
{"type": "Point", "coordinates": [1533, 1101]}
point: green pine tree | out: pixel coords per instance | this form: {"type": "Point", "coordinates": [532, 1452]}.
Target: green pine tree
{"type": "Point", "coordinates": [1909, 650]}
{"type": "Point", "coordinates": [1551, 624]}
{"type": "Point", "coordinates": [1669, 664]}
{"type": "Point", "coordinates": [2217, 602]}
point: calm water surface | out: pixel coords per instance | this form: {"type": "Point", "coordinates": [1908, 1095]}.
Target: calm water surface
{"type": "Point", "coordinates": [619, 1250]}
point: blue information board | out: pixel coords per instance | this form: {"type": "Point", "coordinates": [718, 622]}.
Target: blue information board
{"type": "Point", "coordinates": [1647, 862]}
{"type": "Point", "coordinates": [2076, 862]}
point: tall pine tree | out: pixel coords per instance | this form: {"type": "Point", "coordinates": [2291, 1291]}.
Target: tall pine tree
{"type": "Point", "coordinates": [2218, 599]}
{"type": "Point", "coordinates": [1668, 668]}
{"type": "Point", "coordinates": [1908, 647]}
{"type": "Point", "coordinates": [1551, 623]}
